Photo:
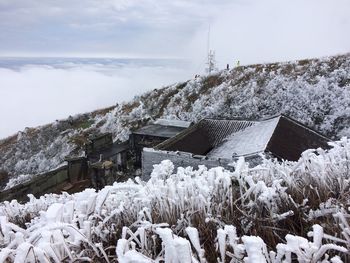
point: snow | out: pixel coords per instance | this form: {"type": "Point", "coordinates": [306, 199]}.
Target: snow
{"type": "Point", "coordinates": [20, 179]}
{"type": "Point", "coordinates": [176, 123]}
{"type": "Point", "coordinates": [255, 248]}
{"type": "Point", "coordinates": [194, 238]}
{"type": "Point", "coordinates": [175, 209]}
{"type": "Point", "coordinates": [221, 233]}
{"type": "Point", "coordinates": [176, 249]}
{"type": "Point", "coordinates": [159, 213]}
{"type": "Point", "coordinates": [134, 257]}
{"type": "Point", "coordinates": [251, 140]}
{"type": "Point", "coordinates": [314, 92]}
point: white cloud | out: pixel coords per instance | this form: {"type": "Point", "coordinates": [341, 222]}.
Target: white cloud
{"type": "Point", "coordinates": [252, 30]}
{"type": "Point", "coordinates": [130, 26]}
{"type": "Point", "coordinates": [36, 95]}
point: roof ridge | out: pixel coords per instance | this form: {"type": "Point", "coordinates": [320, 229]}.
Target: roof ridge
{"type": "Point", "coordinates": [236, 118]}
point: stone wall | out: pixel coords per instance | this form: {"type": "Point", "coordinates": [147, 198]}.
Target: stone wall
{"type": "Point", "coordinates": [44, 183]}
{"type": "Point", "coordinates": [71, 178]}
{"type": "Point", "coordinates": [151, 157]}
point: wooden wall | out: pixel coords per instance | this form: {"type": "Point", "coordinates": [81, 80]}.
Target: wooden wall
{"type": "Point", "coordinates": [291, 138]}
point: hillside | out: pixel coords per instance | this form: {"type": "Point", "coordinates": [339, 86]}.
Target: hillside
{"type": "Point", "coordinates": [273, 213]}
{"type": "Point", "coordinates": [315, 92]}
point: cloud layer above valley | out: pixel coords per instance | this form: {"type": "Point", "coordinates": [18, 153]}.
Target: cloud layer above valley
{"type": "Point", "coordinates": [36, 95]}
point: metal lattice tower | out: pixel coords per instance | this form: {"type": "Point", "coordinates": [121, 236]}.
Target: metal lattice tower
{"type": "Point", "coordinates": [211, 62]}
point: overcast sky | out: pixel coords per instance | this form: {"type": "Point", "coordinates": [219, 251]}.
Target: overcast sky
{"type": "Point", "coordinates": [250, 30]}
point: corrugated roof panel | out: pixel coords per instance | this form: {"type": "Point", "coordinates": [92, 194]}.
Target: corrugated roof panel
{"type": "Point", "coordinates": [248, 138]}
{"type": "Point", "coordinates": [218, 130]}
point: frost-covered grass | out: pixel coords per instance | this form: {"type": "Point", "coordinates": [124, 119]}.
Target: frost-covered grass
{"type": "Point", "coordinates": [315, 92]}
{"type": "Point", "coordinates": [18, 180]}
{"type": "Point", "coordinates": [276, 212]}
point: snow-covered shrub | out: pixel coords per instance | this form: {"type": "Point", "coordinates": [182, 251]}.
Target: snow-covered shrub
{"type": "Point", "coordinates": [276, 212]}
{"type": "Point", "coordinates": [314, 92]}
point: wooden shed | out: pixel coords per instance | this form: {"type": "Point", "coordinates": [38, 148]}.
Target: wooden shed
{"type": "Point", "coordinates": [102, 147]}
{"type": "Point", "coordinates": [153, 134]}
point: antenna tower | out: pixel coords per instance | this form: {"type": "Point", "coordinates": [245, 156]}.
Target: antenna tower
{"type": "Point", "coordinates": [211, 62]}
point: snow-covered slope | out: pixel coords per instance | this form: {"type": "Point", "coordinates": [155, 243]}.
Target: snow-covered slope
{"type": "Point", "coordinates": [276, 212]}
{"type": "Point", "coordinates": [315, 92]}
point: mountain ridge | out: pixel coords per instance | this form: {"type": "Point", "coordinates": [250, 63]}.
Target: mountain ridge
{"type": "Point", "coordinates": [315, 92]}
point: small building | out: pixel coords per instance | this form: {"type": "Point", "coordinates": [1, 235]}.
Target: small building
{"type": "Point", "coordinates": [214, 143]}
{"type": "Point", "coordinates": [76, 168]}
{"type": "Point", "coordinates": [105, 159]}
{"type": "Point", "coordinates": [153, 134]}
{"type": "Point", "coordinates": [98, 142]}
{"type": "Point", "coordinates": [102, 148]}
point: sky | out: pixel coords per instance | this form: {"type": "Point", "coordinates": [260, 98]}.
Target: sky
{"type": "Point", "coordinates": [251, 31]}
{"type": "Point", "coordinates": [102, 27]}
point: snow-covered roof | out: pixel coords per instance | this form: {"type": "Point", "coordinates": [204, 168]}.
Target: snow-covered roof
{"type": "Point", "coordinates": [159, 130]}
{"type": "Point", "coordinates": [175, 123]}
{"type": "Point", "coordinates": [163, 128]}
{"type": "Point", "coordinates": [250, 140]}
{"type": "Point", "coordinates": [281, 136]}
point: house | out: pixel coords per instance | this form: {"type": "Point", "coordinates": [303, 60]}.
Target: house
{"type": "Point", "coordinates": [75, 175]}
{"type": "Point", "coordinates": [102, 148]}
{"type": "Point", "coordinates": [213, 142]}
{"type": "Point", "coordinates": [153, 134]}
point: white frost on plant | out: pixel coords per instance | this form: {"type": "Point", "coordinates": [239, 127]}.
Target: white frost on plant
{"type": "Point", "coordinates": [314, 92]}
{"type": "Point", "coordinates": [20, 179]}
{"type": "Point", "coordinates": [256, 249]}
{"type": "Point", "coordinates": [77, 227]}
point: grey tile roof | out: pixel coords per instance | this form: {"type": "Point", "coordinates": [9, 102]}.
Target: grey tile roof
{"type": "Point", "coordinates": [159, 130]}
{"type": "Point", "coordinates": [218, 130]}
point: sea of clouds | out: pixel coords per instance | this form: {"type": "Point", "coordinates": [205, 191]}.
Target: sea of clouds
{"type": "Point", "coordinates": [35, 91]}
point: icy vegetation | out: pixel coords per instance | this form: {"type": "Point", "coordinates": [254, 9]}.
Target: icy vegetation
{"type": "Point", "coordinates": [17, 180]}
{"type": "Point", "coordinates": [275, 212]}
{"type": "Point", "coordinates": [314, 92]}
